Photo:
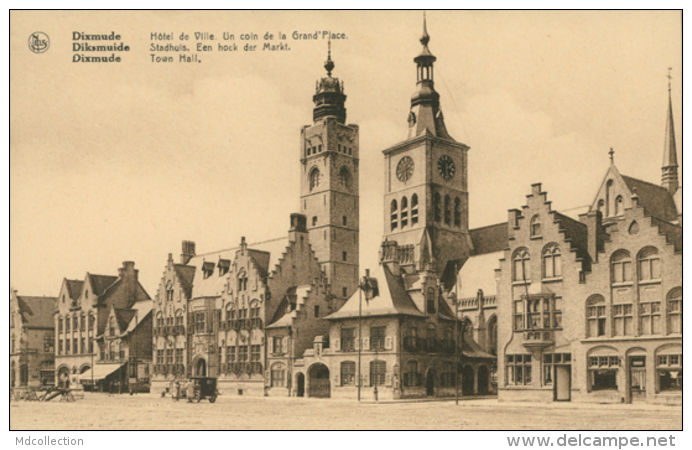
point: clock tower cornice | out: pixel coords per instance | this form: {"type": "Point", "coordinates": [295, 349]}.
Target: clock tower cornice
{"type": "Point", "coordinates": [405, 145]}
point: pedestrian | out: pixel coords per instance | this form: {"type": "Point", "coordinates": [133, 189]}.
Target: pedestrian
{"type": "Point", "coordinates": [177, 391]}
{"type": "Point", "coordinates": [112, 389]}
{"type": "Point", "coordinates": [190, 391]}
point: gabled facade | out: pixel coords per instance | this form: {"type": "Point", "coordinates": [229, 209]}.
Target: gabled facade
{"type": "Point", "coordinates": [591, 310]}
{"type": "Point", "coordinates": [32, 341]}
{"type": "Point", "coordinates": [83, 309]}
{"type": "Point", "coordinates": [212, 310]}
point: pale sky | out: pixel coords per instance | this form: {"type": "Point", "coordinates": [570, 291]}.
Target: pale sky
{"type": "Point", "coordinates": [115, 162]}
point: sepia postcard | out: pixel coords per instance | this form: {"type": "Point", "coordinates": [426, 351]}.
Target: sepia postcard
{"type": "Point", "coordinates": [346, 220]}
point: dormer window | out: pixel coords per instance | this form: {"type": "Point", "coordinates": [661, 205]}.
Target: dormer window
{"type": "Point", "coordinates": [207, 269]}
{"type": "Point", "coordinates": [224, 265]}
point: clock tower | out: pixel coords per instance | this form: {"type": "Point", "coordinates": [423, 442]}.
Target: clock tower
{"type": "Point", "coordinates": [426, 187]}
{"type": "Point", "coordinates": [329, 184]}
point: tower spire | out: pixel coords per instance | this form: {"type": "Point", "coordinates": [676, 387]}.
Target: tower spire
{"type": "Point", "coordinates": [329, 95]}
{"type": "Point", "coordinates": [329, 64]}
{"type": "Point", "coordinates": [669, 170]}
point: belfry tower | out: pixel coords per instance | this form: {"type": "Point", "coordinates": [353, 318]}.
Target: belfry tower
{"type": "Point", "coordinates": [329, 184]}
{"type": "Point", "coordinates": [426, 187]}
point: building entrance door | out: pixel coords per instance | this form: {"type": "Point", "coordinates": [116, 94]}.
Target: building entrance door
{"type": "Point", "coordinates": [430, 382]}
{"type": "Point", "coordinates": [319, 381]}
{"type": "Point", "coordinates": [483, 380]}
{"type": "Point", "coordinates": [300, 381]}
{"type": "Point", "coordinates": [637, 379]}
{"type": "Point", "coordinates": [563, 382]}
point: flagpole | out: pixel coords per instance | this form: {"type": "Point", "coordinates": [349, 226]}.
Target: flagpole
{"type": "Point", "coordinates": [360, 314]}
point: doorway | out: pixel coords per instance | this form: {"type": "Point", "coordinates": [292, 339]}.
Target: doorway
{"type": "Point", "coordinates": [430, 382]}
{"type": "Point", "coordinates": [300, 382]}
{"type": "Point", "coordinates": [467, 380]}
{"type": "Point", "coordinates": [637, 379]}
{"type": "Point", "coordinates": [201, 368]}
{"type": "Point", "coordinates": [563, 382]}
{"type": "Point", "coordinates": [319, 381]}
{"type": "Point", "coordinates": [483, 380]}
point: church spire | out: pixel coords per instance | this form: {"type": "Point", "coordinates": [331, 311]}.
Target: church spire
{"type": "Point", "coordinates": [425, 116]}
{"type": "Point", "coordinates": [669, 176]}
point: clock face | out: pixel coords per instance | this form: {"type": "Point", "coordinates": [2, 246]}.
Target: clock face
{"type": "Point", "coordinates": [404, 170]}
{"type": "Point", "coordinates": [445, 166]}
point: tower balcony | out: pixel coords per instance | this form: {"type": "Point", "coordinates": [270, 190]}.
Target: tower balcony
{"type": "Point", "coordinates": [538, 339]}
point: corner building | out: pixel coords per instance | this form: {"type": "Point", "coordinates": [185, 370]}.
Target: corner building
{"type": "Point", "coordinates": [591, 310]}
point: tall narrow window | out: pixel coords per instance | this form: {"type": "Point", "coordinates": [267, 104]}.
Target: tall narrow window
{"type": "Point", "coordinates": [536, 226]}
{"type": "Point", "coordinates": [394, 215]}
{"type": "Point", "coordinates": [521, 261]}
{"type": "Point", "coordinates": [596, 316]}
{"type": "Point", "coordinates": [649, 264]}
{"type": "Point", "coordinates": [619, 207]}
{"type": "Point", "coordinates": [404, 212]}
{"type": "Point", "coordinates": [621, 267]}
{"type": "Point", "coordinates": [457, 212]}
{"type": "Point", "coordinates": [437, 207]}
{"type": "Point", "coordinates": [430, 300]}
{"type": "Point", "coordinates": [552, 264]}
{"type": "Point", "coordinates": [344, 177]}
{"type": "Point", "coordinates": [348, 373]}
{"type": "Point", "coordinates": [378, 369]}
{"type": "Point", "coordinates": [675, 311]}
{"type": "Point", "coordinates": [650, 318]}
{"type": "Point", "coordinates": [414, 209]}
{"type": "Point", "coordinates": [314, 179]}
{"type": "Point", "coordinates": [448, 210]}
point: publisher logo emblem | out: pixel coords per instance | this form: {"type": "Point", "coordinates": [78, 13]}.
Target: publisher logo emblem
{"type": "Point", "coordinates": [39, 42]}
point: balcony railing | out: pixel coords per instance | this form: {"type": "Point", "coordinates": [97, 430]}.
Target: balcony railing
{"type": "Point", "coordinates": [538, 338]}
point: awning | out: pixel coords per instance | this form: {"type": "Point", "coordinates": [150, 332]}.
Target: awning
{"type": "Point", "coordinates": [101, 371]}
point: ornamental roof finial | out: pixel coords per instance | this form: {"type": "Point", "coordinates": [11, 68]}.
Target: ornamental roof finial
{"type": "Point", "coordinates": [329, 64]}
{"type": "Point", "coordinates": [425, 38]}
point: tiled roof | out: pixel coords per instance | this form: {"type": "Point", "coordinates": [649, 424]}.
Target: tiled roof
{"type": "Point", "coordinates": [655, 199]}
{"type": "Point", "coordinates": [478, 272]}
{"type": "Point", "coordinates": [124, 316]}
{"type": "Point", "coordinates": [265, 255]}
{"type": "Point", "coordinates": [74, 288]}
{"type": "Point", "coordinates": [575, 232]}
{"type": "Point", "coordinates": [186, 276]}
{"type": "Point", "coordinates": [489, 239]}
{"type": "Point", "coordinates": [99, 283]}
{"type": "Point", "coordinates": [392, 299]}
{"type": "Point", "coordinates": [672, 232]}
{"type": "Point", "coordinates": [37, 312]}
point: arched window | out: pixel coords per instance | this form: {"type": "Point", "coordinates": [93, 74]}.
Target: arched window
{"type": "Point", "coordinates": [457, 212]}
{"type": "Point", "coordinates": [674, 310]}
{"type": "Point", "coordinates": [169, 293]}
{"type": "Point", "coordinates": [521, 262]}
{"type": "Point", "coordinates": [92, 322]}
{"type": "Point", "coordinates": [378, 370]}
{"type": "Point", "coordinates": [348, 373]}
{"type": "Point", "coordinates": [492, 336]}
{"type": "Point", "coordinates": [344, 178]}
{"type": "Point", "coordinates": [394, 215]}
{"type": "Point", "coordinates": [411, 376]}
{"type": "Point", "coordinates": [431, 337]}
{"type": "Point", "coordinates": [596, 316]}
{"type": "Point", "coordinates": [619, 207]}
{"type": "Point", "coordinates": [278, 375]}
{"type": "Point", "coordinates": [314, 179]}
{"type": "Point", "coordinates": [404, 212]}
{"type": "Point", "coordinates": [536, 226]}
{"type": "Point", "coordinates": [448, 210]}
{"type": "Point", "coordinates": [437, 207]}
{"type": "Point", "coordinates": [621, 264]}
{"type": "Point", "coordinates": [552, 263]}
{"type": "Point", "coordinates": [414, 209]}
{"type": "Point", "coordinates": [649, 264]}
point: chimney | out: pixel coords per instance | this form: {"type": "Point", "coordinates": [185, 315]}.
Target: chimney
{"type": "Point", "coordinates": [188, 252]}
{"type": "Point", "coordinates": [129, 276]}
{"type": "Point", "coordinates": [389, 256]}
{"type": "Point", "coordinates": [513, 222]}
{"type": "Point", "coordinates": [592, 220]}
